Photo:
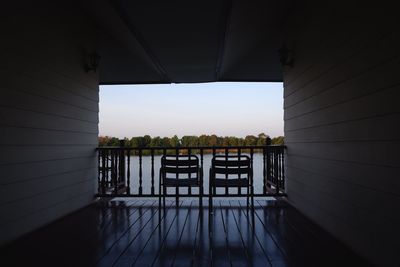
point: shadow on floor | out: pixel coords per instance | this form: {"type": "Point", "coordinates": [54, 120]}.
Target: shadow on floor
{"type": "Point", "coordinates": [126, 232]}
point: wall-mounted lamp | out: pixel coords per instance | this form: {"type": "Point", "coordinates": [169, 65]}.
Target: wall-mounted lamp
{"type": "Point", "coordinates": [286, 56]}
{"type": "Point", "coordinates": [92, 63]}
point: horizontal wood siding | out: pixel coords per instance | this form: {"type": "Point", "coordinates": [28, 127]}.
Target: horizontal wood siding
{"type": "Point", "coordinates": [342, 114]}
{"type": "Point", "coordinates": [48, 115]}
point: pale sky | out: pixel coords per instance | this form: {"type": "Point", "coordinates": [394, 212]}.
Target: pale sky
{"type": "Point", "coordinates": [225, 109]}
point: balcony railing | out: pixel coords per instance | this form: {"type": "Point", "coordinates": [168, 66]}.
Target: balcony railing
{"type": "Point", "coordinates": [133, 171]}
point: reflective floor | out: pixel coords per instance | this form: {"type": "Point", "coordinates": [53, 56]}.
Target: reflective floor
{"type": "Point", "coordinates": [129, 232]}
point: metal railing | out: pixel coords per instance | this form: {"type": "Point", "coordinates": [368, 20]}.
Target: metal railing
{"type": "Point", "coordinates": [133, 171]}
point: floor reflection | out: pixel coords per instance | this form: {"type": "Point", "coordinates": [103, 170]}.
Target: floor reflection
{"type": "Point", "coordinates": [137, 232]}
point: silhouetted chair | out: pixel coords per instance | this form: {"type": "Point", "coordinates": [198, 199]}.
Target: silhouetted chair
{"type": "Point", "coordinates": [180, 171]}
{"type": "Point", "coordinates": [231, 171]}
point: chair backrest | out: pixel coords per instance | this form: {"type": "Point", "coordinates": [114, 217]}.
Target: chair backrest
{"type": "Point", "coordinates": [180, 165]}
{"type": "Point", "coordinates": [231, 165]}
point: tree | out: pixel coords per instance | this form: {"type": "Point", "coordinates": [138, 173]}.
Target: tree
{"type": "Point", "coordinates": [156, 141]}
{"type": "Point", "coordinates": [135, 141]}
{"type": "Point", "coordinates": [262, 139]}
{"type": "Point", "coordinates": [166, 142]}
{"type": "Point", "coordinates": [174, 141]}
{"type": "Point", "coordinates": [250, 140]}
{"type": "Point", "coordinates": [213, 140]}
{"type": "Point", "coordinates": [233, 141]}
{"type": "Point", "coordinates": [104, 140]}
{"type": "Point", "coordinates": [189, 141]}
{"type": "Point", "coordinates": [225, 141]}
{"type": "Point", "coordinates": [204, 140]}
{"type": "Point", "coordinates": [262, 135]}
{"type": "Point", "coordinates": [113, 141]}
{"type": "Point", "coordinates": [146, 140]}
{"type": "Point", "coordinates": [279, 140]}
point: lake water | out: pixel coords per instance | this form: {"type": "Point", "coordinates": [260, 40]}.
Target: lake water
{"type": "Point", "coordinates": [146, 171]}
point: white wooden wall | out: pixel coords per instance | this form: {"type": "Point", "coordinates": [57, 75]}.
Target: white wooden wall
{"type": "Point", "coordinates": [48, 115]}
{"type": "Point", "coordinates": [342, 115]}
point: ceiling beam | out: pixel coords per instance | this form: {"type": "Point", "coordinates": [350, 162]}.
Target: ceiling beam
{"type": "Point", "coordinates": [224, 24]}
{"type": "Point", "coordinates": [105, 14]}
{"type": "Point", "coordinates": [142, 42]}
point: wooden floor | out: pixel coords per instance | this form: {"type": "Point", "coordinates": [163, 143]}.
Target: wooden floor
{"type": "Point", "coordinates": [135, 233]}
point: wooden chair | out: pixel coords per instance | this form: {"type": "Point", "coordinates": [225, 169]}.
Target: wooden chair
{"type": "Point", "coordinates": [236, 171]}
{"type": "Point", "coordinates": [180, 171]}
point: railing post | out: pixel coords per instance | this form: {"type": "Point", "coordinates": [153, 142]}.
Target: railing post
{"type": "Point", "coordinates": [107, 171]}
{"type": "Point", "coordinates": [152, 172]}
{"type": "Point", "coordinates": [283, 169]}
{"type": "Point", "coordinates": [164, 192]}
{"type": "Point", "coordinates": [268, 161]}
{"type": "Point", "coordinates": [264, 151]}
{"type": "Point", "coordinates": [239, 188]}
{"type": "Point", "coordinates": [98, 171]}
{"type": "Point", "coordinates": [121, 161]}
{"type": "Point", "coordinates": [190, 175]}
{"type": "Point", "coordinates": [251, 165]}
{"type": "Point", "coordinates": [114, 167]}
{"type": "Point", "coordinates": [276, 170]}
{"type": "Point", "coordinates": [128, 181]}
{"type": "Point", "coordinates": [226, 175]}
{"type": "Point", "coordinates": [201, 176]}
{"type": "Point", "coordinates": [140, 173]}
{"type": "Point", "coordinates": [212, 190]}
{"type": "Point", "coordinates": [177, 177]}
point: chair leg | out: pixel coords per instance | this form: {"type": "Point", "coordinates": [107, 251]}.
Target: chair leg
{"type": "Point", "coordinates": [210, 211]}
{"type": "Point", "coordinates": [210, 203]}
{"type": "Point", "coordinates": [210, 194]}
{"type": "Point", "coordinates": [210, 217]}
{"type": "Point", "coordinates": [160, 194]}
{"type": "Point", "coordinates": [200, 198]}
{"type": "Point", "coordinates": [252, 197]}
{"type": "Point", "coordinates": [164, 193]}
{"type": "Point", "coordinates": [159, 198]}
{"type": "Point", "coordinates": [247, 198]}
{"type": "Point", "coordinates": [252, 209]}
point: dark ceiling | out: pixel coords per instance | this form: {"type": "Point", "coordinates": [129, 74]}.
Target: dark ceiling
{"type": "Point", "coordinates": [189, 41]}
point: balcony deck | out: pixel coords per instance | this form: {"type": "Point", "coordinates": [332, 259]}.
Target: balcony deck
{"type": "Point", "coordinates": [133, 232]}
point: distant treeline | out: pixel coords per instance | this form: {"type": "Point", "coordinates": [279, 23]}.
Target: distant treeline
{"type": "Point", "coordinates": [189, 141]}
